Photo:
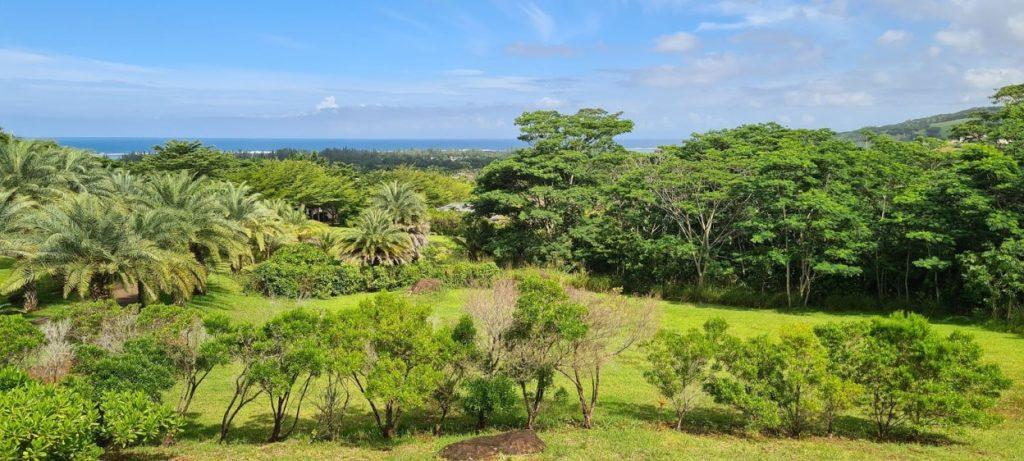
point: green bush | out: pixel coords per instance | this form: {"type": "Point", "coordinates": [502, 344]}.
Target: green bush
{"type": "Point", "coordinates": [349, 279]}
{"type": "Point", "coordinates": [11, 377]}
{"type": "Point", "coordinates": [143, 366]}
{"type": "Point", "coordinates": [296, 271]}
{"type": "Point", "coordinates": [445, 222]}
{"type": "Point", "coordinates": [132, 418]}
{"type": "Point", "coordinates": [19, 338]}
{"type": "Point", "coordinates": [47, 422]}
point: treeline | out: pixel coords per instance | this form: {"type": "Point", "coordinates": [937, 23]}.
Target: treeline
{"type": "Point", "coordinates": [763, 215]}
{"type": "Point", "coordinates": [330, 189]}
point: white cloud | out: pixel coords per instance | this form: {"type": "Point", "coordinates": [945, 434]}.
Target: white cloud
{"type": "Point", "coordinates": [960, 39]}
{"type": "Point", "coordinates": [893, 36]}
{"type": "Point", "coordinates": [328, 103]}
{"type": "Point", "coordinates": [679, 42]}
{"type": "Point", "coordinates": [704, 71]}
{"type": "Point", "coordinates": [550, 103]}
{"type": "Point", "coordinates": [542, 22]}
{"type": "Point", "coordinates": [540, 50]}
{"type": "Point", "coordinates": [991, 78]}
{"type": "Point", "coordinates": [934, 51]}
{"type": "Point", "coordinates": [827, 93]}
{"type": "Point", "coordinates": [1016, 25]}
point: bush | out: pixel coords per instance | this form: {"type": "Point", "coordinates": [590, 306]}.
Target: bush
{"type": "Point", "coordinates": [47, 422]}
{"type": "Point", "coordinates": [11, 377]}
{"type": "Point", "coordinates": [913, 379]}
{"type": "Point", "coordinates": [19, 339]}
{"type": "Point", "coordinates": [349, 280]}
{"type": "Point", "coordinates": [487, 396]}
{"type": "Point", "coordinates": [132, 418]}
{"type": "Point", "coordinates": [296, 271]}
{"type": "Point", "coordinates": [143, 366]}
{"type": "Point", "coordinates": [445, 222]}
{"type": "Point", "coordinates": [90, 319]}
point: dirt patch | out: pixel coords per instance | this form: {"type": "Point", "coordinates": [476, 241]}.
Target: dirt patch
{"type": "Point", "coordinates": [522, 442]}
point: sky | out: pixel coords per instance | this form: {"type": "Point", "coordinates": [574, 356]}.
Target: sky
{"type": "Point", "coordinates": [466, 69]}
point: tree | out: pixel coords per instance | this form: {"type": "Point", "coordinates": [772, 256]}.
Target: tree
{"type": "Point", "coordinates": [290, 353]}
{"type": "Point", "coordinates": [192, 349]}
{"type": "Point", "coordinates": [328, 192]}
{"type": "Point", "coordinates": [457, 356]}
{"type": "Point", "coordinates": [407, 209]}
{"type": "Point", "coordinates": [244, 345]}
{"type": "Point", "coordinates": [613, 325]}
{"type": "Point", "coordinates": [776, 385]}
{"type": "Point", "coordinates": [374, 239]}
{"type": "Point", "coordinates": [402, 366]}
{"type": "Point", "coordinates": [191, 156]}
{"type": "Point", "coordinates": [704, 195]}
{"type": "Point", "coordinates": [545, 190]}
{"type": "Point", "coordinates": [544, 319]}
{"type": "Point", "coordinates": [681, 363]}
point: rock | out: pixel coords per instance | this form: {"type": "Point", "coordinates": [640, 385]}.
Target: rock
{"type": "Point", "coordinates": [523, 442]}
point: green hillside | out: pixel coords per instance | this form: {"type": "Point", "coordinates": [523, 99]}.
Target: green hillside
{"type": "Point", "coordinates": [936, 126]}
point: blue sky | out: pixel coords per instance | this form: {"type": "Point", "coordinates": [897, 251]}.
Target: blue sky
{"type": "Point", "coordinates": [465, 69]}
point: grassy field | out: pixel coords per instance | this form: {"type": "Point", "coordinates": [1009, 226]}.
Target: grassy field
{"type": "Point", "coordinates": [630, 422]}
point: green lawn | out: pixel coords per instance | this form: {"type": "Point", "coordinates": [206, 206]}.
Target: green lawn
{"type": "Point", "coordinates": [629, 423]}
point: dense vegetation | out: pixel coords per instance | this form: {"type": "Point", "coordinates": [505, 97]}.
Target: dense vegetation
{"type": "Point", "coordinates": [765, 215]}
{"type": "Point", "coordinates": [760, 215]}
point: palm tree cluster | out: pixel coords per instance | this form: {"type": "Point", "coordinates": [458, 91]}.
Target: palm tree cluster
{"type": "Point", "coordinates": [91, 228]}
{"type": "Point", "coordinates": [392, 230]}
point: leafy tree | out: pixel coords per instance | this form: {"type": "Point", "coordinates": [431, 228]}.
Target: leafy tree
{"type": "Point", "coordinates": [191, 156]}
{"type": "Point", "coordinates": [776, 385]}
{"type": "Point", "coordinates": [438, 187]}
{"type": "Point", "coordinates": [544, 318]}
{"type": "Point", "coordinates": [328, 192]}
{"type": "Point", "coordinates": [458, 354]}
{"type": "Point", "coordinates": [545, 190]}
{"type": "Point", "coordinates": [290, 357]}
{"type": "Point", "coordinates": [245, 346]}
{"type": "Point", "coordinates": [484, 396]}
{"type": "Point", "coordinates": [681, 363]}
{"type": "Point", "coordinates": [402, 366]}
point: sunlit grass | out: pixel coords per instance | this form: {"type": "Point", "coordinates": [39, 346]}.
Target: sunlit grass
{"type": "Point", "coordinates": [629, 424]}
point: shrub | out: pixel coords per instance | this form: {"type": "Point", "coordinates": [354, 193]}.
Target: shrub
{"type": "Point", "coordinates": [486, 396]}
{"type": "Point", "coordinates": [912, 378]}
{"type": "Point", "coordinates": [89, 319]}
{"type": "Point", "coordinates": [19, 339]}
{"type": "Point", "coordinates": [445, 222]}
{"type": "Point", "coordinates": [776, 384]}
{"type": "Point", "coordinates": [680, 364]}
{"type": "Point", "coordinates": [142, 366]}
{"type": "Point", "coordinates": [132, 418]}
{"type": "Point", "coordinates": [47, 422]}
{"type": "Point", "coordinates": [11, 377]}
{"type": "Point", "coordinates": [296, 271]}
{"type": "Point", "coordinates": [349, 280]}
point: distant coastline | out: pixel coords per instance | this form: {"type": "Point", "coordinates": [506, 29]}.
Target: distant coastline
{"type": "Point", "coordinates": [116, 146]}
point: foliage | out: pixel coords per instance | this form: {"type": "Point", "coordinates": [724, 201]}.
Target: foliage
{"type": "Point", "coordinates": [438, 188]}
{"type": "Point", "coordinates": [180, 155]}
{"type": "Point", "coordinates": [483, 397]}
{"type": "Point", "coordinates": [20, 338]}
{"type": "Point", "coordinates": [329, 192]}
{"type": "Point", "coordinates": [913, 379]}
{"type": "Point", "coordinates": [296, 271]}
{"type": "Point", "coordinates": [132, 418]}
{"type": "Point", "coordinates": [142, 366]}
{"type": "Point", "coordinates": [402, 366]}
{"type": "Point", "coordinates": [47, 422]}
{"type": "Point", "coordinates": [681, 363]}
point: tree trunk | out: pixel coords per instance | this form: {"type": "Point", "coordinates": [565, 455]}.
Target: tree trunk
{"type": "Point", "coordinates": [31, 296]}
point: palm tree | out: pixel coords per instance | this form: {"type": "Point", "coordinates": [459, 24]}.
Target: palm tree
{"type": "Point", "coordinates": [258, 221]}
{"type": "Point", "coordinates": [408, 210]}
{"type": "Point", "coordinates": [88, 245]}
{"type": "Point", "coordinates": [375, 239]}
{"type": "Point", "coordinates": [13, 209]}
{"type": "Point", "coordinates": [199, 217]}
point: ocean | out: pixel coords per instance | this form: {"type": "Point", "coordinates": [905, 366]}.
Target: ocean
{"type": "Point", "coordinates": [120, 146]}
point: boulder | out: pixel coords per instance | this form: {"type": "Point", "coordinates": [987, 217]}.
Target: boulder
{"type": "Point", "coordinates": [523, 442]}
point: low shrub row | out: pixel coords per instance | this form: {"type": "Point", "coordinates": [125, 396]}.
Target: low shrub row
{"type": "Point", "coordinates": [304, 271]}
{"type": "Point", "coordinates": [900, 374]}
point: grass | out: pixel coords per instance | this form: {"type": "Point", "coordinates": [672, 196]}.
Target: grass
{"type": "Point", "coordinates": [630, 423]}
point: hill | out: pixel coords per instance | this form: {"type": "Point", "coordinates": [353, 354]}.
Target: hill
{"type": "Point", "coordinates": [936, 126]}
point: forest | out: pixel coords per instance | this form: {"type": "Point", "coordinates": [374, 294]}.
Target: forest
{"type": "Point", "coordinates": [748, 290]}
